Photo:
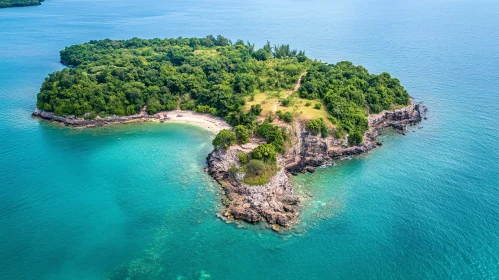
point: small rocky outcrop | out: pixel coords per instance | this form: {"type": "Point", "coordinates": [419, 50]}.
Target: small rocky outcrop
{"type": "Point", "coordinates": [219, 162]}
{"type": "Point", "coordinates": [273, 202]}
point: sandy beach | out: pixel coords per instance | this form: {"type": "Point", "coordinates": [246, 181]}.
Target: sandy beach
{"type": "Point", "coordinates": [206, 121]}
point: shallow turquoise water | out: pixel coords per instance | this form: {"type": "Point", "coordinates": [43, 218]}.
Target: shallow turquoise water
{"type": "Point", "coordinates": [100, 203]}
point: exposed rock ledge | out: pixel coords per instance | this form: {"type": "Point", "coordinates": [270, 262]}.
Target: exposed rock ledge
{"type": "Point", "coordinates": [275, 202]}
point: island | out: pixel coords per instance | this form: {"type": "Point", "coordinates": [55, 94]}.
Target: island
{"type": "Point", "coordinates": [276, 111]}
{"type": "Point", "coordinates": [19, 3]}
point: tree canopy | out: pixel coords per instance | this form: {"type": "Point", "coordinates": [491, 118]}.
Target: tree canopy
{"type": "Point", "coordinates": [242, 134]}
{"type": "Point", "coordinates": [265, 152]}
{"type": "Point", "coordinates": [317, 126]}
{"type": "Point", "coordinates": [212, 75]}
{"type": "Point", "coordinates": [274, 135]}
{"type": "Point", "coordinates": [351, 93]}
{"type": "Point", "coordinates": [19, 3]}
{"type": "Point", "coordinates": [225, 138]}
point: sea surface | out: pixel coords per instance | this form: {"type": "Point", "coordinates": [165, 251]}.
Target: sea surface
{"type": "Point", "coordinates": [134, 201]}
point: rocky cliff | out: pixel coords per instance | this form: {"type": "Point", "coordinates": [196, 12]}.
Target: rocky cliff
{"type": "Point", "coordinates": [275, 202]}
{"type": "Point", "coordinates": [316, 151]}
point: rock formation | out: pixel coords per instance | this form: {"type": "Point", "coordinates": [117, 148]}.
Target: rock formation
{"type": "Point", "coordinates": [316, 151]}
{"type": "Point", "coordinates": [275, 202]}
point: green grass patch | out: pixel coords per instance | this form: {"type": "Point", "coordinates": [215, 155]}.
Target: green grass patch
{"type": "Point", "coordinates": [263, 177]}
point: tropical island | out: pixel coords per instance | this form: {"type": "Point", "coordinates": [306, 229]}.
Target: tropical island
{"type": "Point", "coordinates": [277, 112]}
{"type": "Point", "coordinates": [19, 3]}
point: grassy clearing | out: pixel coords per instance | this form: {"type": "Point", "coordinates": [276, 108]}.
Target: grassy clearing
{"type": "Point", "coordinates": [207, 52]}
{"type": "Point", "coordinates": [297, 106]}
{"type": "Point", "coordinates": [261, 179]}
{"type": "Point", "coordinates": [266, 99]}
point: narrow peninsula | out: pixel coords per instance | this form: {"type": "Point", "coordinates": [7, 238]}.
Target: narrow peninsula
{"type": "Point", "coordinates": [277, 112]}
{"type": "Point", "coordinates": [19, 3]}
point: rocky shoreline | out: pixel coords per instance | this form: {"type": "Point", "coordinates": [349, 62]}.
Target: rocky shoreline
{"type": "Point", "coordinates": [275, 202]}
{"type": "Point", "coordinates": [207, 121]}
{"type": "Point", "coordinates": [75, 121]}
{"type": "Point", "coordinates": [316, 151]}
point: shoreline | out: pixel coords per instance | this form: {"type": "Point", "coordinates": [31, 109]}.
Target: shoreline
{"type": "Point", "coordinates": [318, 152]}
{"type": "Point", "coordinates": [274, 203]}
{"type": "Point", "coordinates": [202, 120]}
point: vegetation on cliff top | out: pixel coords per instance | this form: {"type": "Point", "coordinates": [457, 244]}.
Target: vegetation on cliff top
{"type": "Point", "coordinates": [317, 126]}
{"type": "Point", "coordinates": [19, 3]}
{"type": "Point", "coordinates": [259, 165]}
{"type": "Point", "coordinates": [224, 139]}
{"type": "Point", "coordinates": [214, 75]}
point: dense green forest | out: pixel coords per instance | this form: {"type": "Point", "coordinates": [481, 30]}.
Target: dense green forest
{"type": "Point", "coordinates": [350, 93]}
{"type": "Point", "coordinates": [211, 74]}
{"type": "Point", "coordinates": [208, 74]}
{"type": "Point", "coordinates": [19, 3]}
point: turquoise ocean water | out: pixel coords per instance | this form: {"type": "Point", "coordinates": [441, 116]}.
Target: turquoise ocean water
{"type": "Point", "coordinates": [133, 200]}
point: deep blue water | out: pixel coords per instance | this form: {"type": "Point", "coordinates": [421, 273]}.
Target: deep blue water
{"type": "Point", "coordinates": [133, 200]}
